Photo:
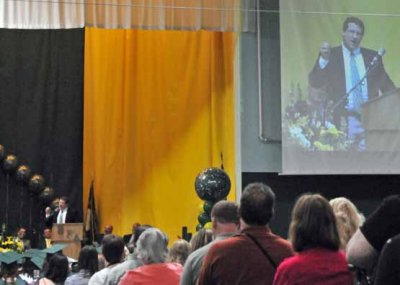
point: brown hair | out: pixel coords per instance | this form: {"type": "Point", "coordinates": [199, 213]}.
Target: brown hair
{"type": "Point", "coordinates": [225, 212]}
{"type": "Point", "coordinates": [200, 239]}
{"type": "Point", "coordinates": [313, 224]}
{"type": "Point", "coordinates": [179, 251]}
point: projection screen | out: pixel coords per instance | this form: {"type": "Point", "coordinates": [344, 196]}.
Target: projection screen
{"type": "Point", "coordinates": [339, 76]}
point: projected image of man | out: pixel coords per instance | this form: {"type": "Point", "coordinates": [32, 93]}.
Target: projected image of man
{"type": "Point", "coordinates": [351, 75]}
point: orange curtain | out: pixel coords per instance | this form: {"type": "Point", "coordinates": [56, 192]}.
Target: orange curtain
{"type": "Point", "coordinates": [159, 108]}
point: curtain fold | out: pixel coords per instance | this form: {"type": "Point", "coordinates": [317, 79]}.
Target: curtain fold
{"type": "Point", "coordinates": [45, 14]}
{"type": "Point", "coordinates": [159, 108]}
{"type": "Point", "coordinates": [213, 15]}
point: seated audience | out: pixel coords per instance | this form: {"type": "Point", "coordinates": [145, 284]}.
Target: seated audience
{"type": "Point", "coordinates": [315, 238]}
{"type": "Point", "coordinates": [132, 261]}
{"type": "Point", "coordinates": [88, 265]}
{"type": "Point", "coordinates": [348, 219]}
{"type": "Point", "coordinates": [225, 223]}
{"type": "Point", "coordinates": [179, 252]}
{"type": "Point", "coordinates": [200, 239]}
{"type": "Point", "coordinates": [388, 268]}
{"type": "Point", "coordinates": [113, 252]}
{"type": "Point", "coordinates": [364, 247]}
{"type": "Point", "coordinates": [45, 240]}
{"type": "Point", "coordinates": [108, 229]}
{"type": "Point", "coordinates": [21, 236]}
{"type": "Point", "coordinates": [128, 239]}
{"type": "Point", "coordinates": [152, 252]}
{"type": "Point", "coordinates": [251, 256]}
{"type": "Point", "coordinates": [57, 271]}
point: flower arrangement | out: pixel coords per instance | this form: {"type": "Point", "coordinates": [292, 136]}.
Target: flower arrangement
{"type": "Point", "coordinates": [10, 243]}
{"type": "Point", "coordinates": [307, 125]}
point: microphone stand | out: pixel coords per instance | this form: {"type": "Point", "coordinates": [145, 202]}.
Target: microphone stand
{"type": "Point", "coordinates": [344, 97]}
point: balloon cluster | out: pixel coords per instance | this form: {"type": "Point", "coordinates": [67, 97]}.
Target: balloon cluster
{"type": "Point", "coordinates": [23, 174]}
{"type": "Point", "coordinates": [212, 185]}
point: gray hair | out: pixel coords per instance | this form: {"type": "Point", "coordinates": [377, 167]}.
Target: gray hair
{"type": "Point", "coordinates": [152, 246]}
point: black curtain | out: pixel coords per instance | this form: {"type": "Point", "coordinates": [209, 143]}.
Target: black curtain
{"type": "Point", "coordinates": [41, 116]}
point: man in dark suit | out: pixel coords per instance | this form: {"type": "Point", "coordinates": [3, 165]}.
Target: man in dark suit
{"type": "Point", "coordinates": [340, 70]}
{"type": "Point", "coordinates": [65, 214]}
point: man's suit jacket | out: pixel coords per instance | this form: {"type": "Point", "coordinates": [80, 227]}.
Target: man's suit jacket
{"type": "Point", "coordinates": [71, 217]}
{"type": "Point", "coordinates": [333, 78]}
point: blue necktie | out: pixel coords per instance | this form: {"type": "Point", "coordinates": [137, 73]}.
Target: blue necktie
{"type": "Point", "coordinates": [355, 78]}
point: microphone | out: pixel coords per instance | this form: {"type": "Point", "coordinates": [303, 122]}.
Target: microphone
{"type": "Point", "coordinates": [381, 52]}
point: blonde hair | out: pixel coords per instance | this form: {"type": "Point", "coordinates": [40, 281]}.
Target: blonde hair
{"type": "Point", "coordinates": [179, 251]}
{"type": "Point", "coordinates": [348, 219]}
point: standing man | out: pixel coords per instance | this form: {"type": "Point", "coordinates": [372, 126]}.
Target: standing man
{"type": "Point", "coordinates": [339, 71]}
{"type": "Point", "coordinates": [251, 257]}
{"type": "Point", "coordinates": [65, 214]}
{"type": "Point", "coordinates": [225, 223]}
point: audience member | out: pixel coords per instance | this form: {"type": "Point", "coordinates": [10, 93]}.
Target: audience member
{"type": "Point", "coordinates": [365, 245]}
{"type": "Point", "coordinates": [251, 256]}
{"type": "Point", "coordinates": [225, 223]}
{"type": "Point", "coordinates": [45, 239]}
{"type": "Point", "coordinates": [128, 239]}
{"type": "Point", "coordinates": [388, 268]}
{"type": "Point", "coordinates": [57, 271]}
{"type": "Point", "coordinates": [348, 219]}
{"type": "Point", "coordinates": [88, 265]}
{"type": "Point", "coordinates": [21, 236]}
{"type": "Point", "coordinates": [113, 252]}
{"type": "Point", "coordinates": [179, 251]}
{"type": "Point", "coordinates": [152, 252]}
{"type": "Point", "coordinates": [315, 237]}
{"type": "Point", "coordinates": [115, 274]}
{"type": "Point", "coordinates": [200, 239]}
{"type": "Point", "coordinates": [108, 229]}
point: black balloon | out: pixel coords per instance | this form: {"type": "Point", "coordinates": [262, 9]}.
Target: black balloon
{"type": "Point", "coordinates": [203, 218]}
{"type": "Point", "coordinates": [23, 173]}
{"type": "Point", "coordinates": [199, 227]}
{"type": "Point", "coordinates": [2, 152]}
{"type": "Point", "coordinates": [47, 194]}
{"type": "Point", "coordinates": [208, 206]}
{"type": "Point", "coordinates": [36, 183]}
{"type": "Point", "coordinates": [212, 184]}
{"type": "Point", "coordinates": [10, 163]}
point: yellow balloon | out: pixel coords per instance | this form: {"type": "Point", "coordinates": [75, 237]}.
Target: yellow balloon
{"type": "Point", "coordinates": [208, 226]}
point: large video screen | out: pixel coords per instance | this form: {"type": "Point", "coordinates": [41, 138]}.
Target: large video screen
{"type": "Point", "coordinates": [339, 76]}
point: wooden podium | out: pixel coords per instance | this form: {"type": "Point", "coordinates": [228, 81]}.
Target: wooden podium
{"type": "Point", "coordinates": [381, 121]}
{"type": "Point", "coordinates": [70, 234]}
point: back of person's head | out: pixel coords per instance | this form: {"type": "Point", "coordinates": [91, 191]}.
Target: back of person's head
{"type": "Point", "coordinates": [348, 218]}
{"type": "Point", "coordinates": [179, 251]}
{"type": "Point", "coordinates": [353, 20]}
{"type": "Point", "coordinates": [138, 231]}
{"type": "Point", "coordinates": [257, 204]}
{"type": "Point", "coordinates": [200, 239]}
{"type": "Point", "coordinates": [313, 224]}
{"type": "Point", "coordinates": [113, 248]}
{"type": "Point", "coordinates": [225, 212]}
{"type": "Point", "coordinates": [152, 246]}
{"type": "Point", "coordinates": [57, 268]}
{"type": "Point", "coordinates": [88, 259]}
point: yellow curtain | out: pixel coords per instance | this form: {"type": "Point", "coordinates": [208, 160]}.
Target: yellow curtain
{"type": "Point", "coordinates": [159, 108]}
